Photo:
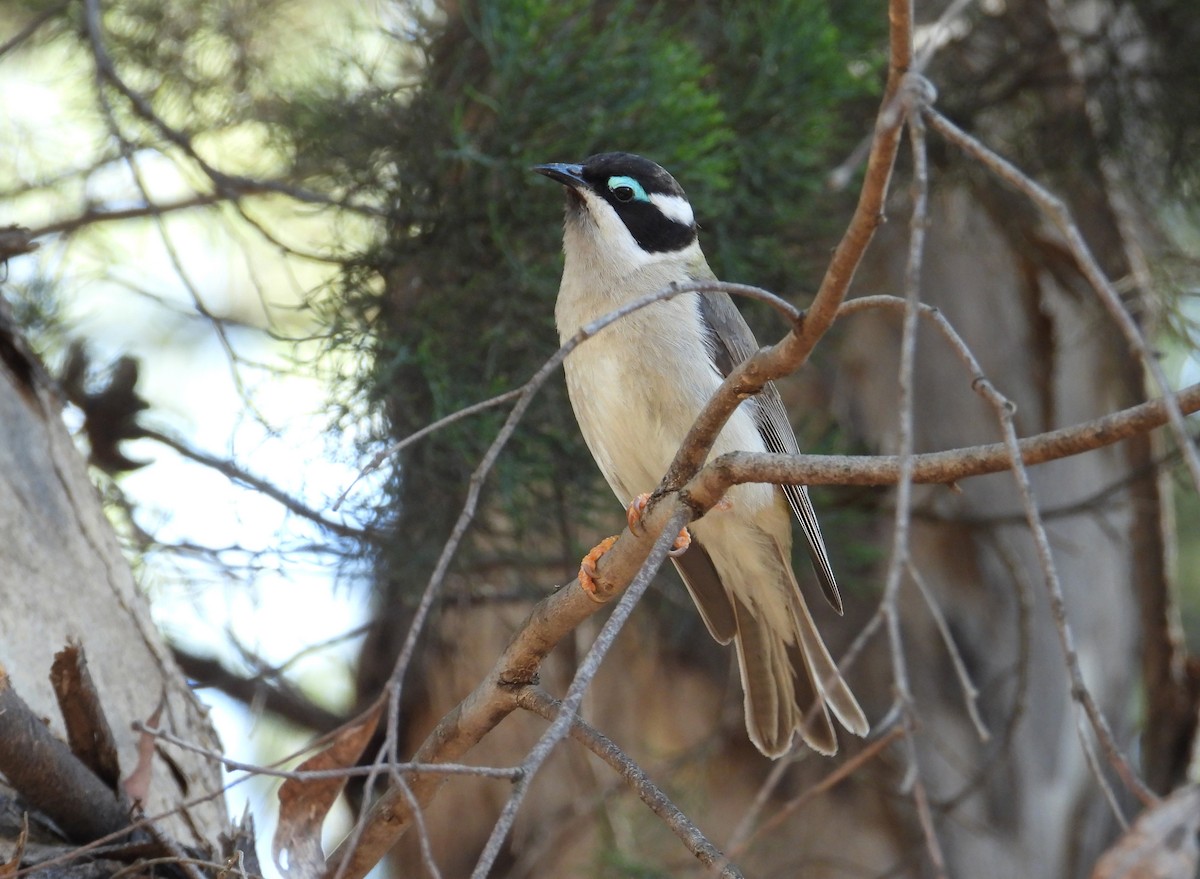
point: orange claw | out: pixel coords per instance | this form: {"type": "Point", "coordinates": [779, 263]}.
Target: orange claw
{"type": "Point", "coordinates": [633, 513]}
{"type": "Point", "coordinates": [587, 568]}
{"type": "Point", "coordinates": [682, 542]}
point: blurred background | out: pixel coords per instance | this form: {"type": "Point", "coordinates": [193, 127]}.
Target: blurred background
{"type": "Point", "coordinates": [276, 237]}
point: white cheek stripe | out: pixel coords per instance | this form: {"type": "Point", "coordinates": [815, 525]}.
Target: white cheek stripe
{"type": "Point", "coordinates": [674, 208]}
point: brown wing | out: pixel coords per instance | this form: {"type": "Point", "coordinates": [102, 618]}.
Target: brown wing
{"type": "Point", "coordinates": [734, 342]}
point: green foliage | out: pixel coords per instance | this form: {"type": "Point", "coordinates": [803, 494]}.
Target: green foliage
{"type": "Point", "coordinates": [740, 101]}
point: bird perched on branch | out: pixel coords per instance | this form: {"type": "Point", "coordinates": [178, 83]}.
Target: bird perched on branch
{"type": "Point", "coordinates": [636, 389]}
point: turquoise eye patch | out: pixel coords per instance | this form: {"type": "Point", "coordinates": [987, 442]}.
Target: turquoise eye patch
{"type": "Point", "coordinates": [626, 189]}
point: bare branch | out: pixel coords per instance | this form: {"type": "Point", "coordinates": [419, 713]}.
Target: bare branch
{"type": "Point", "coordinates": [283, 701]}
{"type": "Point", "coordinates": [933, 467]}
{"type": "Point", "coordinates": [34, 25]}
{"type": "Point", "coordinates": [830, 781]}
{"type": "Point", "coordinates": [227, 185]}
{"type": "Point", "coordinates": [242, 477]}
{"type": "Point", "coordinates": [583, 677]}
{"type": "Point", "coordinates": [969, 690]}
{"type": "Point", "coordinates": [789, 354]}
{"type": "Point", "coordinates": [397, 447]}
{"type": "Point", "coordinates": [93, 214]}
{"type": "Point", "coordinates": [1079, 690]}
{"type": "Point", "coordinates": [868, 213]}
{"type": "Point", "coordinates": [319, 774]}
{"type": "Point", "coordinates": [52, 779]}
{"type": "Point", "coordinates": [1054, 208]}
{"type": "Point", "coordinates": [540, 702]}
{"type": "Point", "coordinates": [900, 557]}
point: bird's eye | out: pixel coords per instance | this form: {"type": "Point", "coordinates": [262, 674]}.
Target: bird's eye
{"type": "Point", "coordinates": [626, 189]}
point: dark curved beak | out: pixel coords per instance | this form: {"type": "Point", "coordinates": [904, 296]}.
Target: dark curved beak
{"type": "Point", "coordinates": [568, 175]}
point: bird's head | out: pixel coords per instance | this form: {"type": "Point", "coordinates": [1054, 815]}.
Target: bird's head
{"type": "Point", "coordinates": [623, 210]}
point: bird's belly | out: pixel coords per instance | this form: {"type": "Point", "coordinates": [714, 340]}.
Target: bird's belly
{"type": "Point", "coordinates": [634, 414]}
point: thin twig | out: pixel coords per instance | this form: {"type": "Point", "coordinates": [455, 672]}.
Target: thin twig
{"type": "Point", "coordinates": [427, 859]}
{"type": "Point", "coordinates": [94, 215]}
{"type": "Point", "coordinates": [389, 817]}
{"type": "Point", "coordinates": [317, 774]}
{"type": "Point", "coordinates": [1093, 762]}
{"type": "Point", "coordinates": [900, 553]}
{"type": "Point", "coordinates": [745, 827]}
{"type": "Point", "coordinates": [1079, 690]}
{"type": "Point", "coordinates": [1058, 213]}
{"type": "Point", "coordinates": [583, 676]}
{"type": "Point", "coordinates": [400, 445]}
{"type": "Point", "coordinates": [1020, 706]}
{"type": "Point", "coordinates": [238, 475]}
{"type": "Point", "coordinates": [229, 185]}
{"type": "Point", "coordinates": [790, 353]}
{"type": "Point", "coordinates": [836, 776]}
{"type": "Point", "coordinates": [32, 27]}
{"type": "Point", "coordinates": [969, 690]}
{"type": "Point", "coordinates": [540, 702]}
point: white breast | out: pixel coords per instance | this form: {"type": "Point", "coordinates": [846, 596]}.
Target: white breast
{"type": "Point", "coordinates": [638, 386]}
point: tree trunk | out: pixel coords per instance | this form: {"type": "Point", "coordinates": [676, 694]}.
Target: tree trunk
{"type": "Point", "coordinates": [63, 578]}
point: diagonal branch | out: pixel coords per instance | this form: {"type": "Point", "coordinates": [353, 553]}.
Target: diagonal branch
{"type": "Point", "coordinates": [902, 94]}
{"type": "Point", "coordinates": [540, 702]}
{"type": "Point", "coordinates": [227, 185]}
{"type": "Point", "coordinates": [243, 477]}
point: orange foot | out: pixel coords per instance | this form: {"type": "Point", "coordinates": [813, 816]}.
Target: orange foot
{"type": "Point", "coordinates": [633, 515]}
{"type": "Point", "coordinates": [587, 568]}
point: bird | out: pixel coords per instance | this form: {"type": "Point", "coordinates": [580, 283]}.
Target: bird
{"type": "Point", "coordinates": [636, 388]}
